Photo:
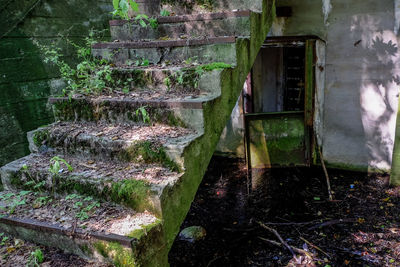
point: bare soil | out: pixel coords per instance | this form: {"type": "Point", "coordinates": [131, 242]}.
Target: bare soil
{"type": "Point", "coordinates": [359, 228]}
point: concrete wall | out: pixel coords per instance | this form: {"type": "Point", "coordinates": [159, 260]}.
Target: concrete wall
{"type": "Point", "coordinates": [362, 75]}
{"type": "Point", "coordinates": [25, 80]}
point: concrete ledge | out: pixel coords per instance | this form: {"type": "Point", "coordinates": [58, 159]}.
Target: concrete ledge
{"type": "Point", "coordinates": [170, 43]}
{"type": "Point", "coordinates": [78, 233]}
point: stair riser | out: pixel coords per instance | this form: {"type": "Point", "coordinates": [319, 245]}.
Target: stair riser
{"type": "Point", "coordinates": [93, 147]}
{"type": "Point", "coordinates": [174, 80]}
{"type": "Point", "coordinates": [13, 177]}
{"type": "Point", "coordinates": [80, 245]}
{"type": "Point", "coordinates": [203, 54]}
{"type": "Point", "coordinates": [125, 112]}
{"type": "Point", "coordinates": [235, 26]}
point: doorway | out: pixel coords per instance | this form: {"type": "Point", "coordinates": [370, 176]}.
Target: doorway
{"type": "Point", "coordinates": [279, 105]}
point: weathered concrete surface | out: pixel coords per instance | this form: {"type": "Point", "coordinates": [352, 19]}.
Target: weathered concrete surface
{"type": "Point", "coordinates": [25, 80]}
{"type": "Point", "coordinates": [362, 70]}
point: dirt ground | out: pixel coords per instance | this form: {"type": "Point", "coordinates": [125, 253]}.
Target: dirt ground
{"type": "Point", "coordinates": [359, 228]}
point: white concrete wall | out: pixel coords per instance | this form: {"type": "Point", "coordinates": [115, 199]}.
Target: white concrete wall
{"type": "Point", "coordinates": [362, 75]}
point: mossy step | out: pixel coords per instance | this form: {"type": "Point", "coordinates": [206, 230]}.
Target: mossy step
{"type": "Point", "coordinates": [233, 23]}
{"type": "Point", "coordinates": [184, 113]}
{"type": "Point", "coordinates": [149, 143]}
{"type": "Point", "coordinates": [205, 50]}
{"type": "Point", "coordinates": [187, 80]}
{"type": "Point", "coordinates": [135, 185]}
{"type": "Point", "coordinates": [81, 225]}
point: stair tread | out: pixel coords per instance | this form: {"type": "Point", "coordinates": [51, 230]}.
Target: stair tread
{"type": "Point", "coordinates": [192, 17]}
{"type": "Point", "coordinates": [94, 171]}
{"type": "Point", "coordinates": [72, 212]}
{"type": "Point", "coordinates": [119, 132]}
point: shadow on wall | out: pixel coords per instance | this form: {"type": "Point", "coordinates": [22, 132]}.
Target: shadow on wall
{"type": "Point", "coordinates": [378, 83]}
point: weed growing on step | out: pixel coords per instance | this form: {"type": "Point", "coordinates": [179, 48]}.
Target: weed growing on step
{"type": "Point", "coordinates": [55, 169]}
{"type": "Point", "coordinates": [13, 200]}
{"type": "Point", "coordinates": [165, 13]}
{"type": "Point", "coordinates": [84, 205]}
{"type": "Point", "coordinates": [36, 258]}
{"type": "Point", "coordinates": [141, 113]}
{"type": "Point", "coordinates": [90, 76]}
{"type": "Point", "coordinates": [122, 10]}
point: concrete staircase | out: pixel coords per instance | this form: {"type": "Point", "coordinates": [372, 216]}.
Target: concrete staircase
{"type": "Point", "coordinates": [126, 167]}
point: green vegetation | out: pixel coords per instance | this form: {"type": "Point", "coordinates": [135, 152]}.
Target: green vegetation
{"type": "Point", "coordinates": [133, 193]}
{"type": "Point", "coordinates": [119, 255]}
{"type": "Point", "coordinates": [121, 8]}
{"type": "Point", "coordinates": [36, 258]}
{"type": "Point", "coordinates": [207, 4]}
{"type": "Point", "coordinates": [91, 75]}
{"type": "Point", "coordinates": [40, 136]}
{"type": "Point", "coordinates": [146, 152]}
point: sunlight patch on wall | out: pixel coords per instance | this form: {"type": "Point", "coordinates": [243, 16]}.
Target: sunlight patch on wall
{"type": "Point", "coordinates": [379, 86]}
{"type": "Point", "coordinates": [326, 10]}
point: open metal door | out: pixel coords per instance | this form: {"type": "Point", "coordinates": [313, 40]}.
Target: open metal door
{"type": "Point", "coordinates": [282, 137]}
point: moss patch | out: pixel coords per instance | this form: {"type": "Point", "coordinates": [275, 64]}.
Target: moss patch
{"type": "Point", "coordinates": [133, 193]}
{"type": "Point", "coordinates": [40, 136]}
{"type": "Point", "coordinates": [147, 152]}
{"type": "Point", "coordinates": [119, 255]}
{"type": "Point", "coordinates": [139, 233]}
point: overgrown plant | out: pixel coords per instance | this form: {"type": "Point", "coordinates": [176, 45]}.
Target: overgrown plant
{"type": "Point", "coordinates": [91, 75]}
{"type": "Point", "coordinates": [122, 8]}
{"type": "Point", "coordinates": [36, 258]}
{"type": "Point", "coordinates": [55, 169]}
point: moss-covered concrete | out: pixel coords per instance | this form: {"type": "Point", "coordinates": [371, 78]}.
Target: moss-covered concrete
{"type": "Point", "coordinates": [25, 80]}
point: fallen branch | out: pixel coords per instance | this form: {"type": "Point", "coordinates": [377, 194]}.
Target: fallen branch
{"type": "Point", "coordinates": [297, 250]}
{"type": "Point", "coordinates": [278, 236]}
{"type": "Point", "coordinates": [333, 222]}
{"type": "Point", "coordinates": [314, 246]}
{"type": "Point", "coordinates": [328, 182]}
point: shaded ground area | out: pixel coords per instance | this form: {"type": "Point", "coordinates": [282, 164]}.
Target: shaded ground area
{"type": "Point", "coordinates": [360, 228]}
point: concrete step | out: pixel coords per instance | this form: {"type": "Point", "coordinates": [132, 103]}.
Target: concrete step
{"type": "Point", "coordinates": [203, 50]}
{"type": "Point", "coordinates": [156, 143]}
{"type": "Point", "coordinates": [184, 113]}
{"type": "Point", "coordinates": [232, 23]}
{"type": "Point", "coordinates": [169, 82]}
{"type": "Point", "coordinates": [135, 185]}
{"type": "Point", "coordinates": [85, 226]}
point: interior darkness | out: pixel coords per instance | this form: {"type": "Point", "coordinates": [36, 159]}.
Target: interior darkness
{"type": "Point", "coordinates": [279, 79]}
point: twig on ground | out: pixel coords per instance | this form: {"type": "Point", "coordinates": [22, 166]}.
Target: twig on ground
{"type": "Point", "coordinates": [292, 223]}
{"type": "Point", "coordinates": [314, 246]}
{"type": "Point", "coordinates": [328, 223]}
{"type": "Point", "coordinates": [328, 182]}
{"type": "Point", "coordinates": [297, 250]}
{"type": "Point", "coordinates": [284, 243]}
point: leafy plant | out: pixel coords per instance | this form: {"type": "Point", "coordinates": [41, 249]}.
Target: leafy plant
{"type": "Point", "coordinates": [121, 8]}
{"type": "Point", "coordinates": [165, 13]}
{"type": "Point", "coordinates": [55, 165]}
{"type": "Point", "coordinates": [36, 258]}
{"type": "Point", "coordinates": [143, 114]}
{"type": "Point", "coordinates": [167, 82]}
{"type": "Point", "coordinates": [3, 239]}
{"type": "Point", "coordinates": [91, 75]}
